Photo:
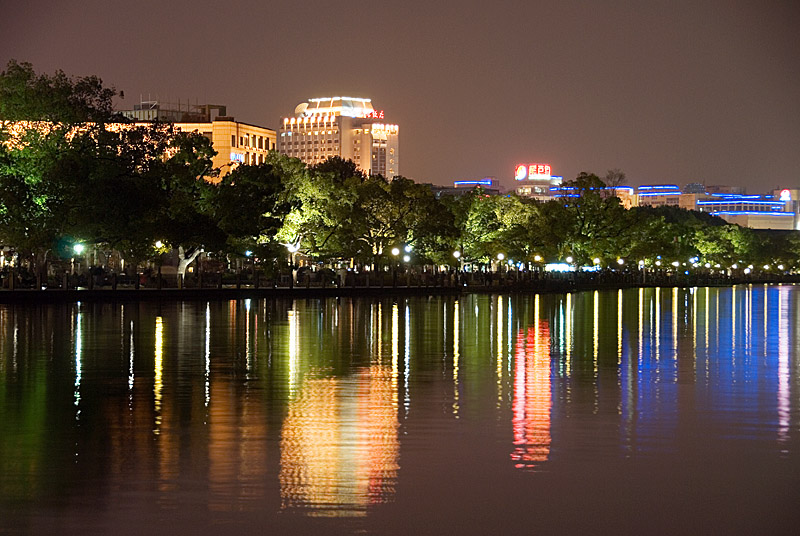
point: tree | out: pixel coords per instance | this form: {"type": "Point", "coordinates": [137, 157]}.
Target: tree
{"type": "Point", "coordinates": [26, 96]}
{"type": "Point", "coordinates": [250, 207]}
{"type": "Point", "coordinates": [596, 221]}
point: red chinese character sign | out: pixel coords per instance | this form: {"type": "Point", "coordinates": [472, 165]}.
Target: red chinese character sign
{"type": "Point", "coordinates": [374, 114]}
{"type": "Point", "coordinates": [533, 172]}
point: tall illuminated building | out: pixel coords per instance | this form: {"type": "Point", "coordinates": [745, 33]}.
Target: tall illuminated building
{"type": "Point", "coordinates": [348, 127]}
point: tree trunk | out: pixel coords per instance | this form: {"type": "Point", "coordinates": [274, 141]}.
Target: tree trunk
{"type": "Point", "coordinates": [184, 261]}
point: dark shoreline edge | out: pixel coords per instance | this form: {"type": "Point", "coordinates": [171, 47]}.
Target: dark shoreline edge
{"type": "Point", "coordinates": [216, 294]}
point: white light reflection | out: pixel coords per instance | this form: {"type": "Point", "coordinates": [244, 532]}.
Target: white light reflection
{"type": "Point", "coordinates": [407, 360]}
{"type": "Point", "coordinates": [456, 355]}
{"type": "Point", "coordinates": [78, 359]}
{"type": "Point", "coordinates": [675, 319]}
{"type": "Point", "coordinates": [784, 407]}
{"type": "Point", "coordinates": [595, 330]}
{"type": "Point", "coordinates": [207, 367]}
{"type": "Point", "coordinates": [499, 334]}
{"type": "Point", "coordinates": [131, 352]}
{"type": "Point", "coordinates": [568, 338]}
{"type": "Point", "coordinates": [657, 313]}
{"type": "Point", "coordinates": [293, 341]}
{"type": "Point", "coordinates": [248, 351]}
{"type": "Point", "coordinates": [619, 327]}
{"type": "Point", "coordinates": [158, 369]}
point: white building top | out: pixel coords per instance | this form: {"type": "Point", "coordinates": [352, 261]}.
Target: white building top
{"type": "Point", "coordinates": [345, 106]}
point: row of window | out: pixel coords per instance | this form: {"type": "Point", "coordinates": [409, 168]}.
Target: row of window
{"type": "Point", "coordinates": [253, 141]}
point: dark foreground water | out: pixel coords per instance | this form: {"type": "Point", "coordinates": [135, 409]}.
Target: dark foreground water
{"type": "Point", "coordinates": [667, 411]}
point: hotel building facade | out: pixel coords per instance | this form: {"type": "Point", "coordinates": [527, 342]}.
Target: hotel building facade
{"type": "Point", "coordinates": [348, 127]}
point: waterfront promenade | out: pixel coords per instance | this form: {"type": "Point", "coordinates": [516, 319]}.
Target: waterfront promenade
{"type": "Point", "coordinates": [389, 284]}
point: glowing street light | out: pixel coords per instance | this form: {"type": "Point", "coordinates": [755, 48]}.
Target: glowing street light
{"type": "Point", "coordinates": [406, 258]}
{"type": "Point", "coordinates": [596, 260]}
{"type": "Point", "coordinates": [537, 258]}
{"type": "Point", "coordinates": [408, 248]}
{"type": "Point", "coordinates": [395, 251]}
{"type": "Point", "coordinates": [159, 244]}
{"type": "Point", "coordinates": [500, 256]}
{"type": "Point", "coordinates": [676, 264]}
{"type": "Point", "coordinates": [457, 254]}
{"type": "Point", "coordinates": [620, 261]}
{"type": "Point", "coordinates": [569, 260]}
{"type": "Point", "coordinates": [78, 248]}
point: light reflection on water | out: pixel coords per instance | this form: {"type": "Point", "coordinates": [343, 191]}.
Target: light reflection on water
{"type": "Point", "coordinates": [279, 411]}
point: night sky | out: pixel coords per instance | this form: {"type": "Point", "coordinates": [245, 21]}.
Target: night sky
{"type": "Point", "coordinates": [667, 91]}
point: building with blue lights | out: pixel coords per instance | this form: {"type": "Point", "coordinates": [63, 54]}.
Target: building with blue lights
{"type": "Point", "coordinates": [776, 210]}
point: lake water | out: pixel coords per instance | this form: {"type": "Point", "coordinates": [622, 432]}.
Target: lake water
{"type": "Point", "coordinates": [658, 411]}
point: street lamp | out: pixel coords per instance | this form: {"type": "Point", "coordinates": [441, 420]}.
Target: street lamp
{"type": "Point", "coordinates": [406, 258]}
{"type": "Point", "coordinates": [159, 244]}
{"type": "Point", "coordinates": [569, 260]}
{"type": "Point", "coordinates": [78, 248]}
{"type": "Point", "coordinates": [395, 251]}
{"type": "Point", "coordinates": [620, 261]}
{"type": "Point", "coordinates": [537, 258]}
{"type": "Point", "coordinates": [596, 260]}
{"type": "Point", "coordinates": [457, 254]}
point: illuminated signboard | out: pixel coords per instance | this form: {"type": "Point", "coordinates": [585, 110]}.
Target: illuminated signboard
{"type": "Point", "coordinates": [237, 157]}
{"type": "Point", "coordinates": [786, 195]}
{"type": "Point", "coordinates": [533, 172]}
{"type": "Point", "coordinates": [375, 114]}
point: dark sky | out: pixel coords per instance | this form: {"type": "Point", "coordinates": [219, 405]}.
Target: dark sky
{"type": "Point", "coordinates": [668, 91]}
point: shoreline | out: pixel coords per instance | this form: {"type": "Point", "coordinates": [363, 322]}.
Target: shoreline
{"type": "Point", "coordinates": [232, 293]}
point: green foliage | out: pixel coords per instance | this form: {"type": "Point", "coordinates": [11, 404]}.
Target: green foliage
{"type": "Point", "coordinates": [26, 96]}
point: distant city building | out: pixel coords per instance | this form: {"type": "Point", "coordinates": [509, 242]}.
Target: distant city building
{"type": "Point", "coordinates": [234, 141]}
{"type": "Point", "coordinates": [348, 127]}
{"type": "Point", "coordinates": [536, 181]}
{"type": "Point", "coordinates": [777, 210]}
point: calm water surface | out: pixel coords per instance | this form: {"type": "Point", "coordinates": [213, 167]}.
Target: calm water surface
{"type": "Point", "coordinates": [640, 411]}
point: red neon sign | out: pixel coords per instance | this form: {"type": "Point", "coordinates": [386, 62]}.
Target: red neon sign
{"type": "Point", "coordinates": [533, 171]}
{"type": "Point", "coordinates": [375, 114]}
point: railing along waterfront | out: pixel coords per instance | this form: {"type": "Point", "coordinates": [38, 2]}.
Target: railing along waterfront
{"type": "Point", "coordinates": [329, 283]}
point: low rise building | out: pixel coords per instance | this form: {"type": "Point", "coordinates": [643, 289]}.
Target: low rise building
{"type": "Point", "coordinates": [235, 142]}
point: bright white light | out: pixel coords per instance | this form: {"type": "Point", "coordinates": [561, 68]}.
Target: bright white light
{"type": "Point", "coordinates": [569, 260]}
{"type": "Point", "coordinates": [558, 267]}
{"type": "Point", "coordinates": [596, 260]}
{"type": "Point", "coordinates": [500, 256]}
{"type": "Point", "coordinates": [707, 265]}
{"type": "Point", "coordinates": [408, 249]}
{"type": "Point", "coordinates": [780, 267]}
{"type": "Point", "coordinates": [248, 253]}
{"type": "Point", "coordinates": [537, 258]}
{"type": "Point", "coordinates": [766, 266]}
{"type": "Point", "coordinates": [734, 266]}
{"type": "Point", "coordinates": [78, 248]}
{"type": "Point", "coordinates": [406, 258]}
{"type": "Point", "coordinates": [395, 251]}
{"type": "Point", "coordinates": [620, 261]}
{"type": "Point", "coordinates": [747, 270]}
{"type": "Point", "coordinates": [159, 244]}
{"type": "Point", "coordinates": [658, 263]}
{"type": "Point", "coordinates": [676, 264]}
{"type": "Point", "coordinates": [641, 263]}
{"type": "Point", "coordinates": [457, 254]}
{"type": "Point", "coordinates": [292, 248]}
